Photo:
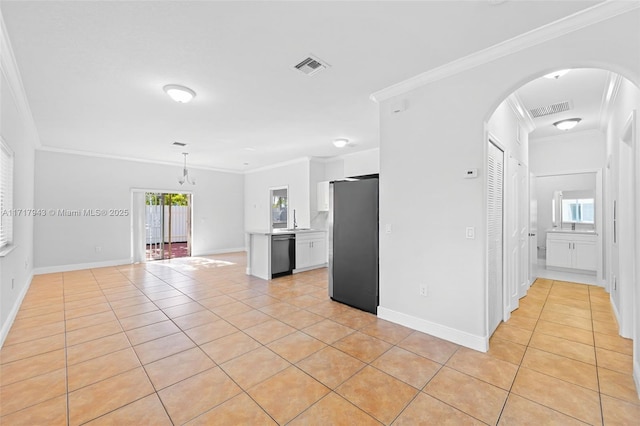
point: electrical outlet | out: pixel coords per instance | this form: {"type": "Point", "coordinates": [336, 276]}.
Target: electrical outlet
{"type": "Point", "coordinates": [98, 249]}
{"type": "Point", "coordinates": [423, 290]}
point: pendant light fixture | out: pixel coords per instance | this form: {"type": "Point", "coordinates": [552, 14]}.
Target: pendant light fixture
{"type": "Point", "coordinates": [180, 94]}
{"type": "Point", "coordinates": [567, 124]}
{"type": "Point", "coordinates": [185, 173]}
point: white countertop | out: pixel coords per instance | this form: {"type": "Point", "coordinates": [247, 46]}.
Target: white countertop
{"type": "Point", "coordinates": [571, 231]}
{"type": "Point", "coordinates": [284, 231]}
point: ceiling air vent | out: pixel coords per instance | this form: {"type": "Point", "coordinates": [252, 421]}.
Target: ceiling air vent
{"type": "Point", "coordinates": [311, 65]}
{"type": "Point", "coordinates": [550, 109]}
{"type": "Point", "coordinates": [179, 144]}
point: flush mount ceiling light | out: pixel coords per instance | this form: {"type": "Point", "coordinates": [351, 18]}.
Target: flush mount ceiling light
{"type": "Point", "coordinates": [567, 124]}
{"type": "Point", "coordinates": [185, 173]}
{"type": "Point", "coordinates": [179, 93]}
{"type": "Point", "coordinates": [556, 74]}
{"type": "Point", "coordinates": [341, 143]}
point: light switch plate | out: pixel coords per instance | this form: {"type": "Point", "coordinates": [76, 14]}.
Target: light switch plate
{"type": "Point", "coordinates": [471, 233]}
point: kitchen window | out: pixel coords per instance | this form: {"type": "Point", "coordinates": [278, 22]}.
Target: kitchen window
{"type": "Point", "coordinates": [279, 208]}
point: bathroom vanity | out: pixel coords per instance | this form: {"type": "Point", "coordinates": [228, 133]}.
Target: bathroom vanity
{"type": "Point", "coordinates": [572, 249]}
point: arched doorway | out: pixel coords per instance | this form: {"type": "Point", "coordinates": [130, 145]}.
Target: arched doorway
{"type": "Point", "coordinates": [590, 177]}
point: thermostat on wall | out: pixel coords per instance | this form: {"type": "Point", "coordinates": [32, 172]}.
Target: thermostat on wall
{"type": "Point", "coordinates": [471, 173]}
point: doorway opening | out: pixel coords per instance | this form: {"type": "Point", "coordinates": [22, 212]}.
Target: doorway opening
{"type": "Point", "coordinates": [167, 225]}
{"type": "Point", "coordinates": [575, 192]}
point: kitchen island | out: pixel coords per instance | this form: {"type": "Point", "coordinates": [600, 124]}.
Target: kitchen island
{"type": "Point", "coordinates": [310, 250]}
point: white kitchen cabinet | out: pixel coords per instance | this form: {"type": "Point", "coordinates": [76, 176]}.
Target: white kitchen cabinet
{"type": "Point", "coordinates": [572, 250]}
{"type": "Point", "coordinates": [323, 196]}
{"type": "Point", "coordinates": [311, 250]}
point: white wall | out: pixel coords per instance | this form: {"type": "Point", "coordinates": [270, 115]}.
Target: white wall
{"type": "Point", "coordinates": [69, 181]}
{"type": "Point", "coordinates": [503, 126]}
{"type": "Point", "coordinates": [362, 163]}
{"type": "Point", "coordinates": [620, 183]}
{"type": "Point", "coordinates": [574, 151]}
{"type": "Point", "coordinates": [301, 176]}
{"type": "Point", "coordinates": [334, 169]}
{"type": "Point", "coordinates": [316, 174]}
{"type": "Point", "coordinates": [423, 152]}
{"type": "Point", "coordinates": [569, 151]}
{"type": "Point", "coordinates": [295, 175]}
{"type": "Point", "coordinates": [18, 132]}
{"type": "Point", "coordinates": [547, 185]}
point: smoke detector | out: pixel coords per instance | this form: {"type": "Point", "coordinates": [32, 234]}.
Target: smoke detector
{"type": "Point", "coordinates": [311, 65]}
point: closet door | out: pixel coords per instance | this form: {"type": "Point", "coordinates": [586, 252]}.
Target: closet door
{"type": "Point", "coordinates": [495, 178]}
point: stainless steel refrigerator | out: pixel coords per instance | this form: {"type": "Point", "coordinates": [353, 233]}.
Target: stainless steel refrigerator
{"type": "Point", "coordinates": [353, 243]}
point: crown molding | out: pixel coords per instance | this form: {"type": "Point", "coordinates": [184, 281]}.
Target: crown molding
{"type": "Point", "coordinates": [521, 112]}
{"type": "Point", "coordinates": [134, 159]}
{"type": "Point", "coordinates": [584, 18]}
{"type": "Point", "coordinates": [9, 68]}
{"type": "Point", "coordinates": [609, 95]}
{"type": "Point", "coordinates": [277, 165]}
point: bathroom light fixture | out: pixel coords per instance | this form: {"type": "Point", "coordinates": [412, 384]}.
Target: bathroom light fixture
{"type": "Point", "coordinates": [556, 74]}
{"type": "Point", "coordinates": [340, 143]}
{"type": "Point", "coordinates": [179, 93]}
{"type": "Point", "coordinates": [567, 124]}
{"type": "Point", "coordinates": [185, 173]}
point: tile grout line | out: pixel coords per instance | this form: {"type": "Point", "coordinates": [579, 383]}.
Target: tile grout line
{"type": "Point", "coordinates": [510, 390]}
{"type": "Point", "coordinates": [130, 347]}
{"type": "Point", "coordinates": [595, 356]}
{"type": "Point", "coordinates": [66, 355]}
{"type": "Point", "coordinates": [286, 300]}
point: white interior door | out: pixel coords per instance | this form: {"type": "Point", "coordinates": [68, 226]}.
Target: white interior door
{"type": "Point", "coordinates": [626, 222]}
{"type": "Point", "coordinates": [514, 262]}
{"type": "Point", "coordinates": [495, 239]}
{"type": "Point", "coordinates": [533, 229]}
{"type": "Point", "coordinates": [523, 227]}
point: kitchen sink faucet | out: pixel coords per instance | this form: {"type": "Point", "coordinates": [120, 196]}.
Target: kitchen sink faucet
{"type": "Point", "coordinates": [295, 223]}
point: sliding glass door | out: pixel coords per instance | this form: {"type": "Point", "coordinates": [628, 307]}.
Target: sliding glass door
{"type": "Point", "coordinates": [167, 225]}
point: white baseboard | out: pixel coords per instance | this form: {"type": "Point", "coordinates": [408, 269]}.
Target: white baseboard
{"type": "Point", "coordinates": [479, 343]}
{"type": "Point", "coordinates": [636, 374]}
{"type": "Point", "coordinates": [117, 262]}
{"type": "Point", "coordinates": [310, 268]}
{"type": "Point", "coordinates": [219, 251]}
{"type": "Point", "coordinates": [78, 266]}
{"type": "Point", "coordinates": [14, 310]}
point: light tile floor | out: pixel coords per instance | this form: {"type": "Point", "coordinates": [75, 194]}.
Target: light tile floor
{"type": "Point", "coordinates": [196, 341]}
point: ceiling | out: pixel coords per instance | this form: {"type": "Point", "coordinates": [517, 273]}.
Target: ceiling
{"type": "Point", "coordinates": [583, 89]}
{"type": "Point", "coordinates": [93, 71]}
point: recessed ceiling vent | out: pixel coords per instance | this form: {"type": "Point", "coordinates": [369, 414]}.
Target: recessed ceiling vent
{"type": "Point", "coordinates": [179, 144]}
{"type": "Point", "coordinates": [311, 66]}
{"type": "Point", "coordinates": [550, 109]}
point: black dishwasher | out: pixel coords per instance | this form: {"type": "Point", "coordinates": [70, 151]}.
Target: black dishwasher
{"type": "Point", "coordinates": [283, 254]}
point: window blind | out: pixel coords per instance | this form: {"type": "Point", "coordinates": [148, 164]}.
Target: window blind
{"type": "Point", "coordinates": [6, 195]}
